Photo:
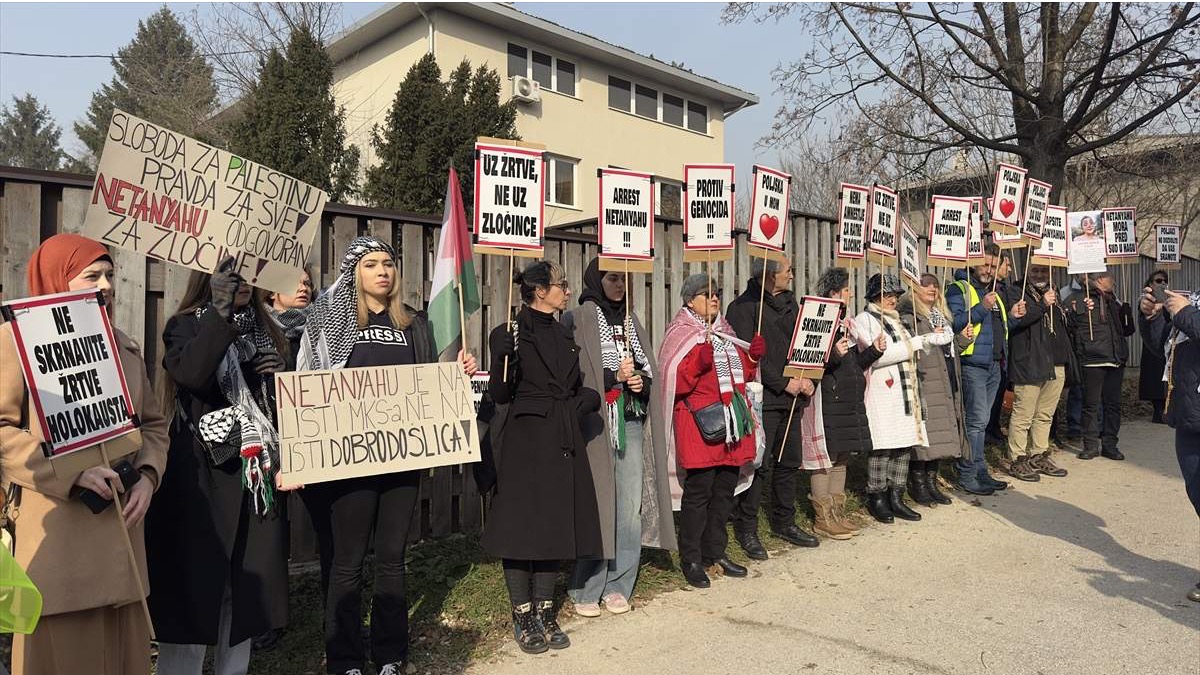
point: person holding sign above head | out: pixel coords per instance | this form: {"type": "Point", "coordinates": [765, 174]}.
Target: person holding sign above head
{"type": "Point", "coordinates": [713, 434]}
{"type": "Point", "coordinates": [360, 321]}
{"type": "Point", "coordinates": [1103, 351]}
{"type": "Point", "coordinates": [544, 510]}
{"type": "Point", "coordinates": [625, 447]}
{"type": "Point", "coordinates": [217, 547]}
{"type": "Point", "coordinates": [893, 397]}
{"type": "Point", "coordinates": [778, 308]}
{"type": "Point", "coordinates": [92, 617]}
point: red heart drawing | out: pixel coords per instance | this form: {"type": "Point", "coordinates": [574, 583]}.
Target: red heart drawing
{"type": "Point", "coordinates": [890, 381]}
{"type": "Point", "coordinates": [769, 225]}
{"type": "Point", "coordinates": [1007, 206]}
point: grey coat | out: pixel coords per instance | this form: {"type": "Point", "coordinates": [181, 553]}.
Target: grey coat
{"type": "Point", "coordinates": [937, 398]}
{"type": "Point", "coordinates": [658, 527]}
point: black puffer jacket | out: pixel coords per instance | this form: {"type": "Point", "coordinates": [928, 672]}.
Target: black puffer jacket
{"type": "Point", "coordinates": [1106, 341]}
{"type": "Point", "coordinates": [779, 317]}
{"type": "Point", "coordinates": [1183, 406]}
{"type": "Point", "coordinates": [1030, 349]}
{"type": "Point", "coordinates": [843, 389]}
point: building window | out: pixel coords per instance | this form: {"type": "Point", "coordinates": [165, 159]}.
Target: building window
{"type": "Point", "coordinates": [697, 117]}
{"type": "Point", "coordinates": [647, 102]}
{"type": "Point", "coordinates": [670, 199]}
{"type": "Point", "coordinates": [551, 72]}
{"type": "Point", "coordinates": [672, 107]}
{"type": "Point", "coordinates": [560, 181]}
{"type": "Point", "coordinates": [619, 92]}
{"type": "Point", "coordinates": [650, 103]}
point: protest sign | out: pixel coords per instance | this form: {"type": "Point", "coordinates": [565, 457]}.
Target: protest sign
{"type": "Point", "coordinates": [949, 229]}
{"type": "Point", "coordinates": [510, 201]}
{"type": "Point", "coordinates": [708, 212]}
{"type": "Point", "coordinates": [1037, 198]}
{"type": "Point", "coordinates": [975, 236]}
{"type": "Point", "coordinates": [1006, 198]}
{"type": "Point", "coordinates": [852, 224]}
{"type": "Point", "coordinates": [1120, 235]}
{"type": "Point", "coordinates": [626, 220]}
{"type": "Point", "coordinates": [769, 212]}
{"type": "Point", "coordinates": [812, 338]}
{"type": "Point", "coordinates": [1007, 240]}
{"type": "Point", "coordinates": [882, 217]}
{"type": "Point", "coordinates": [479, 386]}
{"type": "Point", "coordinates": [353, 422]}
{"type": "Point", "coordinates": [1086, 253]}
{"type": "Point", "coordinates": [1053, 250]}
{"type": "Point", "coordinates": [170, 197]}
{"type": "Point", "coordinates": [910, 254]}
{"type": "Point", "coordinates": [1167, 246]}
{"type": "Point", "coordinates": [69, 356]}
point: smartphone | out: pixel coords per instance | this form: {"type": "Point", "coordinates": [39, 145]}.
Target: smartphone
{"type": "Point", "coordinates": [129, 476]}
{"type": "Point", "coordinates": [1160, 293]}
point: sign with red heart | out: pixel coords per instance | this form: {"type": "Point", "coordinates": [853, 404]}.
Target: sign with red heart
{"type": "Point", "coordinates": [769, 212]}
{"type": "Point", "coordinates": [1006, 198]}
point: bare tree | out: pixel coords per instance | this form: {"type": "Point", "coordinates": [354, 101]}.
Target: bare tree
{"type": "Point", "coordinates": [1039, 82]}
{"type": "Point", "coordinates": [237, 36]}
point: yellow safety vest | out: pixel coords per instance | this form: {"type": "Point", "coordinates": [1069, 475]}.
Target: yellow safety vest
{"type": "Point", "coordinates": [972, 296]}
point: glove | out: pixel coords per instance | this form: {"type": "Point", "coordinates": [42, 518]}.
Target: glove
{"type": "Point", "coordinates": [758, 348]}
{"type": "Point", "coordinates": [938, 339]}
{"type": "Point", "coordinates": [223, 284]}
{"type": "Point", "coordinates": [267, 361]}
{"type": "Point", "coordinates": [705, 359]}
{"type": "Point", "coordinates": [503, 343]}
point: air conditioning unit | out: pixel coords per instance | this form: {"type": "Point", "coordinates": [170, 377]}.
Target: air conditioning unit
{"type": "Point", "coordinates": [526, 90]}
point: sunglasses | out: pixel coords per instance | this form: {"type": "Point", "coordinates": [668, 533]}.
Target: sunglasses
{"type": "Point", "coordinates": [715, 294]}
{"type": "Point", "coordinates": [1160, 281]}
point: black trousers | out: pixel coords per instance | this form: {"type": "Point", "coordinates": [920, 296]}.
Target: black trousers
{"type": "Point", "coordinates": [1102, 391]}
{"type": "Point", "coordinates": [780, 478]}
{"type": "Point", "coordinates": [703, 511]}
{"type": "Point", "coordinates": [358, 508]}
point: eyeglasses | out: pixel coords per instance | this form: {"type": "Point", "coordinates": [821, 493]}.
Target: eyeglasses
{"type": "Point", "coordinates": [563, 285]}
{"type": "Point", "coordinates": [1160, 281]}
{"type": "Point", "coordinates": [715, 294]}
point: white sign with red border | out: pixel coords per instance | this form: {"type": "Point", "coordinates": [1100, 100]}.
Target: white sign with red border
{"type": "Point", "coordinates": [852, 221]}
{"type": "Point", "coordinates": [949, 228]}
{"type": "Point", "coordinates": [812, 338]}
{"type": "Point", "coordinates": [708, 207]}
{"type": "Point", "coordinates": [910, 254]}
{"type": "Point", "coordinates": [1120, 233]}
{"type": "Point", "coordinates": [510, 200]}
{"type": "Point", "coordinates": [1167, 246]}
{"type": "Point", "coordinates": [975, 236]}
{"type": "Point", "coordinates": [882, 216]}
{"type": "Point", "coordinates": [769, 210]}
{"type": "Point", "coordinates": [626, 221]}
{"type": "Point", "coordinates": [1037, 198]}
{"type": "Point", "coordinates": [1055, 243]}
{"type": "Point", "coordinates": [1006, 198]}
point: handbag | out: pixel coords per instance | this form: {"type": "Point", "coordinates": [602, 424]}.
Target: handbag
{"type": "Point", "coordinates": [710, 420]}
{"type": "Point", "coordinates": [218, 452]}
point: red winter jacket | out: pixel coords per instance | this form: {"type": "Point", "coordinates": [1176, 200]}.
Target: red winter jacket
{"type": "Point", "coordinates": [701, 389]}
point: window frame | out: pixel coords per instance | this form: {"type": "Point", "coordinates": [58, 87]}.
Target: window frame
{"type": "Point", "coordinates": [554, 70]}
{"type": "Point", "coordinates": [659, 193]}
{"type": "Point", "coordinates": [551, 177]}
{"type": "Point", "coordinates": [688, 103]}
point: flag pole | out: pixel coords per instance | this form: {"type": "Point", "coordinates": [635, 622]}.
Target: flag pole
{"type": "Point", "coordinates": [462, 317]}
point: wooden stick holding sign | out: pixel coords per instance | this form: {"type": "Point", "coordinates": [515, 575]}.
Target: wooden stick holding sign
{"type": "Point", "coordinates": [510, 205]}
{"type": "Point", "coordinates": [812, 341]}
{"type": "Point", "coordinates": [119, 507]}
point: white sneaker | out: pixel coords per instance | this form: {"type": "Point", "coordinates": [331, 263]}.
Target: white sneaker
{"type": "Point", "coordinates": [616, 603]}
{"type": "Point", "coordinates": [588, 609]}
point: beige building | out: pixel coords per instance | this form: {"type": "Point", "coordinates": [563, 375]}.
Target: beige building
{"type": "Point", "coordinates": [591, 103]}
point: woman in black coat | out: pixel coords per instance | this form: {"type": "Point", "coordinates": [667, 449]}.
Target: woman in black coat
{"type": "Point", "coordinates": [544, 510]}
{"type": "Point", "coordinates": [216, 550]}
{"type": "Point", "coordinates": [1150, 374]}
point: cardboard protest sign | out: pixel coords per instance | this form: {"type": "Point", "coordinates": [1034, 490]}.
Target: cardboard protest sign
{"type": "Point", "coordinates": [707, 212]}
{"type": "Point", "coordinates": [852, 223]}
{"type": "Point", "coordinates": [812, 338]}
{"type": "Point", "coordinates": [1120, 235]}
{"type": "Point", "coordinates": [769, 211]}
{"type": "Point", "coordinates": [975, 233]}
{"type": "Point", "coordinates": [882, 217]}
{"type": "Point", "coordinates": [626, 220]}
{"type": "Point", "coordinates": [479, 386]}
{"type": "Point", "coordinates": [1055, 245]}
{"type": "Point", "coordinates": [510, 200]}
{"type": "Point", "coordinates": [170, 197]}
{"type": "Point", "coordinates": [1007, 240]}
{"type": "Point", "coordinates": [949, 230]}
{"type": "Point", "coordinates": [1037, 198]}
{"type": "Point", "coordinates": [1086, 253]}
{"type": "Point", "coordinates": [1167, 246]}
{"type": "Point", "coordinates": [910, 254]}
{"type": "Point", "coordinates": [352, 422]}
{"type": "Point", "coordinates": [1006, 198]}
{"type": "Point", "coordinates": [68, 354]}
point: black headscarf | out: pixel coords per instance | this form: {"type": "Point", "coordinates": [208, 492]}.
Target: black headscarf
{"type": "Point", "coordinates": [593, 289]}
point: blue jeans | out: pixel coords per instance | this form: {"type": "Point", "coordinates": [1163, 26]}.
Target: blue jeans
{"type": "Point", "coordinates": [591, 580]}
{"type": "Point", "coordinates": [979, 390]}
{"type": "Point", "coordinates": [1074, 410]}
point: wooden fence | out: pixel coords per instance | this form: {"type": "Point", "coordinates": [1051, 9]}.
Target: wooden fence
{"type": "Point", "coordinates": [37, 204]}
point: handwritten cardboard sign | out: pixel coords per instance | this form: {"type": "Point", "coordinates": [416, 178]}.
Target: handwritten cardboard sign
{"type": "Point", "coordinates": [708, 208]}
{"type": "Point", "coordinates": [510, 200]}
{"type": "Point", "coordinates": [1037, 198]}
{"type": "Point", "coordinates": [1054, 246]}
{"type": "Point", "coordinates": [68, 354]}
{"type": "Point", "coordinates": [626, 220]}
{"type": "Point", "coordinates": [882, 216]}
{"type": "Point", "coordinates": [1120, 235]}
{"type": "Point", "coordinates": [365, 421]}
{"type": "Point", "coordinates": [170, 197]}
{"type": "Point", "coordinates": [949, 229]}
{"type": "Point", "coordinates": [852, 221]}
{"type": "Point", "coordinates": [1006, 198]}
{"type": "Point", "coordinates": [975, 240]}
{"type": "Point", "coordinates": [769, 210]}
{"type": "Point", "coordinates": [812, 338]}
{"type": "Point", "coordinates": [1167, 245]}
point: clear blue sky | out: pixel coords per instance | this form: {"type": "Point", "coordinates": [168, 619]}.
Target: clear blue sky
{"type": "Point", "coordinates": [692, 33]}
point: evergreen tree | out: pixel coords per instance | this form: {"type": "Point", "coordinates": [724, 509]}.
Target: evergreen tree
{"type": "Point", "coordinates": [290, 121]}
{"type": "Point", "coordinates": [159, 77]}
{"type": "Point", "coordinates": [430, 124]}
{"type": "Point", "coordinates": [29, 137]}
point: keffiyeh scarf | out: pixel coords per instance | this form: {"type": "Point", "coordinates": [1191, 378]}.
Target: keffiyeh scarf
{"type": "Point", "coordinates": [291, 321]}
{"type": "Point", "coordinates": [731, 378]}
{"type": "Point", "coordinates": [333, 318]}
{"type": "Point", "coordinates": [620, 402]}
{"type": "Point", "coordinates": [244, 424]}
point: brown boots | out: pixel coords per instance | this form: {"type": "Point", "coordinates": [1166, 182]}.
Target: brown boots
{"type": "Point", "coordinates": [827, 521]}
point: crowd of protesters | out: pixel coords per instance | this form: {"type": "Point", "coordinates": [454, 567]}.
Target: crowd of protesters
{"type": "Point", "coordinates": [595, 437]}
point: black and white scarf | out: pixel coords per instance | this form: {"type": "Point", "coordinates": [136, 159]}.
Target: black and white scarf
{"type": "Point", "coordinates": [291, 321]}
{"type": "Point", "coordinates": [618, 401]}
{"type": "Point", "coordinates": [333, 319]}
{"type": "Point", "coordinates": [890, 320]}
{"type": "Point", "coordinates": [731, 379]}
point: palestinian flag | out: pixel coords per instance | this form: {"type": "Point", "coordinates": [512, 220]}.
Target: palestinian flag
{"type": "Point", "coordinates": [453, 271]}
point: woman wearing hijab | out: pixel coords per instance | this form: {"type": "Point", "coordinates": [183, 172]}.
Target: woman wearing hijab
{"type": "Point", "coordinates": [625, 448]}
{"type": "Point", "coordinates": [216, 546]}
{"type": "Point", "coordinates": [91, 602]}
{"type": "Point", "coordinates": [361, 321]}
{"type": "Point", "coordinates": [705, 371]}
{"type": "Point", "coordinates": [544, 510]}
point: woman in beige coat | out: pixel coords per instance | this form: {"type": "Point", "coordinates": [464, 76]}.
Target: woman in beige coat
{"type": "Point", "coordinates": [92, 620]}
